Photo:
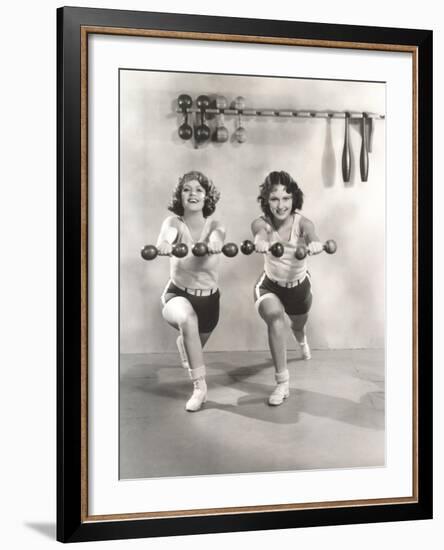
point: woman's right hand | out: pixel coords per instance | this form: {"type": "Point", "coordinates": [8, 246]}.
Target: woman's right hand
{"type": "Point", "coordinates": [261, 246]}
{"type": "Point", "coordinates": [165, 249]}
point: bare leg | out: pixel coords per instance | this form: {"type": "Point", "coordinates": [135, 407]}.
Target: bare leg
{"type": "Point", "coordinates": [298, 326]}
{"type": "Point", "coordinates": [272, 312]}
{"type": "Point", "coordinates": [179, 313]}
{"type": "Point", "coordinates": [298, 323]}
{"type": "Point", "coordinates": [181, 347]}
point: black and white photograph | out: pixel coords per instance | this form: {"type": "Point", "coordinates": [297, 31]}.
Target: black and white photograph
{"type": "Point", "coordinates": [221, 275]}
{"type": "Point", "coordinates": [252, 313]}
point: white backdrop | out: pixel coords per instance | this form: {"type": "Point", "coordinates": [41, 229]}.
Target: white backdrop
{"type": "Point", "coordinates": [27, 404]}
{"type": "Point", "coordinates": [348, 288]}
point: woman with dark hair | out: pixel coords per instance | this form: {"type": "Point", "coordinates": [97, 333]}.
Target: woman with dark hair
{"type": "Point", "coordinates": [284, 288]}
{"type": "Point", "coordinates": [191, 297]}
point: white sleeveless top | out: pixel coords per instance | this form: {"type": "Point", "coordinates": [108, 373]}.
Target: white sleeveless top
{"type": "Point", "coordinates": [193, 271]}
{"type": "Point", "coordinates": [287, 268]}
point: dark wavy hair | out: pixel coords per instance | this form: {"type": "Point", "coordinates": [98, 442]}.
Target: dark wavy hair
{"type": "Point", "coordinates": [212, 194]}
{"type": "Point", "coordinates": [279, 178]}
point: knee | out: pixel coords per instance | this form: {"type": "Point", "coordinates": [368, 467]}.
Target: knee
{"type": "Point", "coordinates": [277, 322]}
{"type": "Point", "coordinates": [188, 322]}
{"type": "Point", "coordinates": [274, 318]}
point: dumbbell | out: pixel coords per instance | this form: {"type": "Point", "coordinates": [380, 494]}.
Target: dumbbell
{"type": "Point", "coordinates": [149, 252]}
{"type": "Point", "coordinates": [247, 248]}
{"type": "Point", "coordinates": [329, 246]}
{"type": "Point", "coordinates": [221, 133]}
{"type": "Point", "coordinates": [240, 135]}
{"type": "Point", "coordinates": [185, 102]}
{"type": "Point", "coordinates": [201, 249]}
{"type": "Point", "coordinates": [202, 132]}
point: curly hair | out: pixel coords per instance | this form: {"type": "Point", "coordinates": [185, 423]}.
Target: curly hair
{"type": "Point", "coordinates": [212, 194]}
{"type": "Point", "coordinates": [279, 178]}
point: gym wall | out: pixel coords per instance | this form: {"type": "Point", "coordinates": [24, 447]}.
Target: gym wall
{"type": "Point", "coordinates": [348, 287]}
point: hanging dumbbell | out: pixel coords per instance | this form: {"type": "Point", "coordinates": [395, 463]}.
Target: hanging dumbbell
{"type": "Point", "coordinates": [202, 132]}
{"type": "Point", "coordinates": [150, 252]}
{"type": "Point", "coordinates": [221, 133]}
{"type": "Point", "coordinates": [330, 247]}
{"type": "Point", "coordinates": [240, 134]}
{"type": "Point", "coordinates": [185, 102]}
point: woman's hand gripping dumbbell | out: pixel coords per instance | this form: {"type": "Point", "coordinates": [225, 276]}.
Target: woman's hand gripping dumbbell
{"type": "Point", "coordinates": [247, 247]}
{"type": "Point", "coordinates": [150, 252]}
{"type": "Point", "coordinates": [262, 247]}
{"type": "Point", "coordinates": [315, 248]}
{"type": "Point", "coordinates": [180, 250]}
{"type": "Point", "coordinates": [201, 249]}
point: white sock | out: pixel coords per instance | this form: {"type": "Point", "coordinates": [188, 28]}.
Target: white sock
{"type": "Point", "coordinates": [197, 373]}
{"type": "Point", "coordinates": [304, 341]}
{"type": "Point", "coordinates": [282, 377]}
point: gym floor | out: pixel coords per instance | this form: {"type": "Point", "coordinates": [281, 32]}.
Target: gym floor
{"type": "Point", "coordinates": [334, 417]}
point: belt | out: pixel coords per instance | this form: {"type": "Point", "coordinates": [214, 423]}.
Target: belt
{"type": "Point", "coordinates": [290, 284]}
{"type": "Point", "coordinates": [197, 291]}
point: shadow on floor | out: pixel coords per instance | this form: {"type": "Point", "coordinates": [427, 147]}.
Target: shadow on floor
{"type": "Point", "coordinates": [367, 413]}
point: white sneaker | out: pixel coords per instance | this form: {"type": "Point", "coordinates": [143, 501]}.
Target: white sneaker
{"type": "Point", "coordinates": [281, 392]}
{"type": "Point", "coordinates": [182, 352]}
{"type": "Point", "coordinates": [199, 396]}
{"type": "Point", "coordinates": [305, 350]}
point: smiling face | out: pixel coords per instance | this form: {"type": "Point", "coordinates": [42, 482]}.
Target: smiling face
{"type": "Point", "coordinates": [280, 202]}
{"type": "Point", "coordinates": [193, 196]}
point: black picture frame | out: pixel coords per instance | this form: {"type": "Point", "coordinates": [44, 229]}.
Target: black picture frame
{"type": "Point", "coordinates": [73, 522]}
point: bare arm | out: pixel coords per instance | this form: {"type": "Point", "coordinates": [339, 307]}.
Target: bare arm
{"type": "Point", "coordinates": [216, 238]}
{"type": "Point", "coordinates": [314, 245]}
{"type": "Point", "coordinates": [261, 232]}
{"type": "Point", "coordinates": [167, 236]}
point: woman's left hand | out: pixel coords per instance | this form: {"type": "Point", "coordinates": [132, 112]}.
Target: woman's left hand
{"type": "Point", "coordinates": [315, 247]}
{"type": "Point", "coordinates": [214, 247]}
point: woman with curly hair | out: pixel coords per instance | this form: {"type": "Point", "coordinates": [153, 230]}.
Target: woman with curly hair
{"type": "Point", "coordinates": [284, 288]}
{"type": "Point", "coordinates": [191, 297]}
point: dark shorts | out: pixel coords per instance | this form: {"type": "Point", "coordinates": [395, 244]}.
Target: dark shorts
{"type": "Point", "coordinates": [206, 307]}
{"type": "Point", "coordinates": [296, 300]}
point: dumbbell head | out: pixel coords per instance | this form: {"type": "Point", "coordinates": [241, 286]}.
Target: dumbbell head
{"type": "Point", "coordinates": [239, 103]}
{"type": "Point", "coordinates": [180, 250]}
{"type": "Point", "coordinates": [185, 131]}
{"type": "Point", "coordinates": [221, 134]}
{"type": "Point", "coordinates": [247, 247]}
{"type": "Point", "coordinates": [277, 250]}
{"type": "Point", "coordinates": [230, 250]}
{"type": "Point", "coordinates": [330, 246]}
{"type": "Point", "coordinates": [300, 252]}
{"type": "Point", "coordinates": [200, 249]}
{"type": "Point", "coordinates": [202, 133]}
{"type": "Point", "coordinates": [148, 252]}
{"type": "Point", "coordinates": [221, 102]}
{"type": "Point", "coordinates": [184, 102]}
{"type": "Point", "coordinates": [203, 102]}
{"type": "Point", "coordinates": [240, 135]}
